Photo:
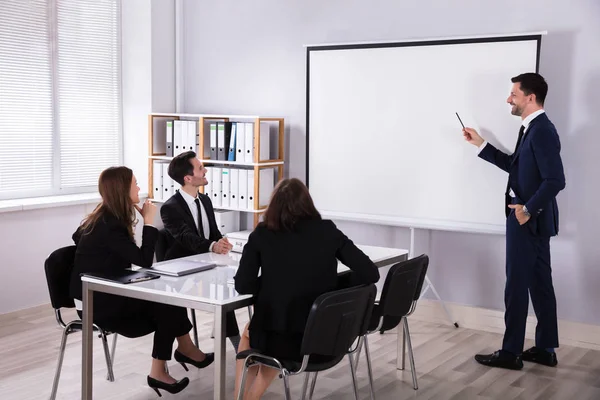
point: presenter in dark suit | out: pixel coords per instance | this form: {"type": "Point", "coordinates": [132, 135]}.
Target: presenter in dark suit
{"type": "Point", "coordinates": [105, 244]}
{"type": "Point", "coordinates": [535, 177]}
{"type": "Point", "coordinates": [189, 219]}
{"type": "Point", "coordinates": [297, 254]}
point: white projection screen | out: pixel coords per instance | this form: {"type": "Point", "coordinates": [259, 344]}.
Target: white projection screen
{"type": "Point", "coordinates": [384, 144]}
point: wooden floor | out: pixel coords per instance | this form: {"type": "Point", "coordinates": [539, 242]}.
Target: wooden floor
{"type": "Point", "coordinates": [29, 342]}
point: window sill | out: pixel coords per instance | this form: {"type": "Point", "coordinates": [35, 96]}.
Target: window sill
{"type": "Point", "coordinates": [35, 203]}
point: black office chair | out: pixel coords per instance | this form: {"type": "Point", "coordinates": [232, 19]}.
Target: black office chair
{"type": "Point", "coordinates": [162, 244]}
{"type": "Point", "coordinates": [401, 290]}
{"type": "Point", "coordinates": [336, 320]}
{"type": "Point", "coordinates": [58, 267]}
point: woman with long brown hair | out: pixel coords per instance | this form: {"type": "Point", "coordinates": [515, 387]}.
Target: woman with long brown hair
{"type": "Point", "coordinates": [297, 253]}
{"type": "Point", "coordinates": [105, 244]}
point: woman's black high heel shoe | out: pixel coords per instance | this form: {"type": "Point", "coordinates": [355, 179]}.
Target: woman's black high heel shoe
{"type": "Point", "coordinates": [168, 387]}
{"type": "Point", "coordinates": [183, 359]}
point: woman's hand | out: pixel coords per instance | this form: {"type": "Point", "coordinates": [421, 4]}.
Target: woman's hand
{"type": "Point", "coordinates": [148, 211]}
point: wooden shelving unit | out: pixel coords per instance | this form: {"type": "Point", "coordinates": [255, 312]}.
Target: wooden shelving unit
{"type": "Point", "coordinates": [257, 164]}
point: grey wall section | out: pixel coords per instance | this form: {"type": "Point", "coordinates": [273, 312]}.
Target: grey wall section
{"type": "Point", "coordinates": [163, 55]}
{"type": "Point", "coordinates": [248, 57]}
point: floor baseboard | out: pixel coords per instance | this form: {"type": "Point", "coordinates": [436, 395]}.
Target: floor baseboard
{"type": "Point", "coordinates": [570, 333]}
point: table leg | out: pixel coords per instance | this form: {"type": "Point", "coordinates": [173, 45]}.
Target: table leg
{"type": "Point", "coordinates": [219, 383]}
{"type": "Point", "coordinates": [87, 342]}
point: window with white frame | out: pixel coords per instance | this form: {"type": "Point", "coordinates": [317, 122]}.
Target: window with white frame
{"type": "Point", "coordinates": [60, 95]}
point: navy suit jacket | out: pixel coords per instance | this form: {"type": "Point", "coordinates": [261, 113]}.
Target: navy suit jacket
{"type": "Point", "coordinates": [535, 174]}
{"type": "Point", "coordinates": [184, 237]}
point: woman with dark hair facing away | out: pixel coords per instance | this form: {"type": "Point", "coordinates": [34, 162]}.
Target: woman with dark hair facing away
{"type": "Point", "coordinates": [297, 253]}
{"type": "Point", "coordinates": [105, 244]}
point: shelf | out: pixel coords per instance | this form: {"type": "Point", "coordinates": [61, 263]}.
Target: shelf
{"type": "Point", "coordinates": [244, 164]}
{"type": "Point", "coordinates": [235, 209]}
{"type": "Point", "coordinates": [163, 158]}
{"type": "Point", "coordinates": [207, 116]}
{"type": "Point", "coordinates": [157, 132]}
{"type": "Point", "coordinates": [209, 161]}
{"type": "Point", "coordinates": [222, 208]}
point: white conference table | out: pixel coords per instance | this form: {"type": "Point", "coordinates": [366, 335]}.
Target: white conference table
{"type": "Point", "coordinates": [210, 290]}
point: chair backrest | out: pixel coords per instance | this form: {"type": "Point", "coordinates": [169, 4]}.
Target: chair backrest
{"type": "Point", "coordinates": [402, 286]}
{"type": "Point", "coordinates": [58, 267]}
{"type": "Point", "coordinates": [337, 319]}
{"type": "Point", "coordinates": [425, 264]}
{"type": "Point", "coordinates": [162, 244]}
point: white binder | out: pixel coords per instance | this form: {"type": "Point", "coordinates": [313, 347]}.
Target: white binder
{"type": "Point", "coordinates": [169, 135]}
{"type": "Point", "coordinates": [178, 137]}
{"type": "Point", "coordinates": [238, 240]}
{"type": "Point", "coordinates": [227, 221]}
{"type": "Point", "coordinates": [234, 184]}
{"type": "Point", "coordinates": [243, 189]}
{"type": "Point", "coordinates": [225, 187]}
{"type": "Point", "coordinates": [192, 133]}
{"type": "Point", "coordinates": [157, 181]}
{"type": "Point", "coordinates": [250, 204]}
{"type": "Point", "coordinates": [208, 186]}
{"type": "Point", "coordinates": [216, 186]}
{"type": "Point", "coordinates": [240, 140]}
{"type": "Point", "coordinates": [166, 182]}
{"type": "Point", "coordinates": [185, 141]}
{"type": "Point", "coordinates": [249, 142]}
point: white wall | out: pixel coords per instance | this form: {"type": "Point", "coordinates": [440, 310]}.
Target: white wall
{"type": "Point", "coordinates": [163, 55]}
{"type": "Point", "coordinates": [137, 85]}
{"type": "Point", "coordinates": [28, 237]}
{"type": "Point", "coordinates": [248, 58]}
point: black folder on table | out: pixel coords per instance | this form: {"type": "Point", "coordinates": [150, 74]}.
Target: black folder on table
{"type": "Point", "coordinates": [125, 276]}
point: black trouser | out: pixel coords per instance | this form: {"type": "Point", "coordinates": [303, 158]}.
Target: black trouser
{"type": "Point", "coordinates": [528, 273]}
{"type": "Point", "coordinates": [135, 318]}
{"type": "Point", "coordinates": [231, 325]}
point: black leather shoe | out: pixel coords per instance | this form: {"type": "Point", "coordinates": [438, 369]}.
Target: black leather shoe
{"type": "Point", "coordinates": [169, 387]}
{"type": "Point", "coordinates": [540, 356]}
{"type": "Point", "coordinates": [500, 359]}
{"type": "Point", "coordinates": [183, 359]}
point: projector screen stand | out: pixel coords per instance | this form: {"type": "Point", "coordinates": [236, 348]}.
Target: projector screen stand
{"type": "Point", "coordinates": [411, 254]}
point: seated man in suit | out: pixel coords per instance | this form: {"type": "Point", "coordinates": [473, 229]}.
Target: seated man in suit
{"type": "Point", "coordinates": [189, 218]}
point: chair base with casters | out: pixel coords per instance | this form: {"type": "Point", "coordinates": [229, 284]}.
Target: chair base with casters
{"type": "Point", "coordinates": [399, 297]}
{"type": "Point", "coordinates": [77, 326]}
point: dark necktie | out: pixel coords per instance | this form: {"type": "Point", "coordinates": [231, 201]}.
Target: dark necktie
{"type": "Point", "coordinates": [520, 139]}
{"type": "Point", "coordinates": [200, 230]}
